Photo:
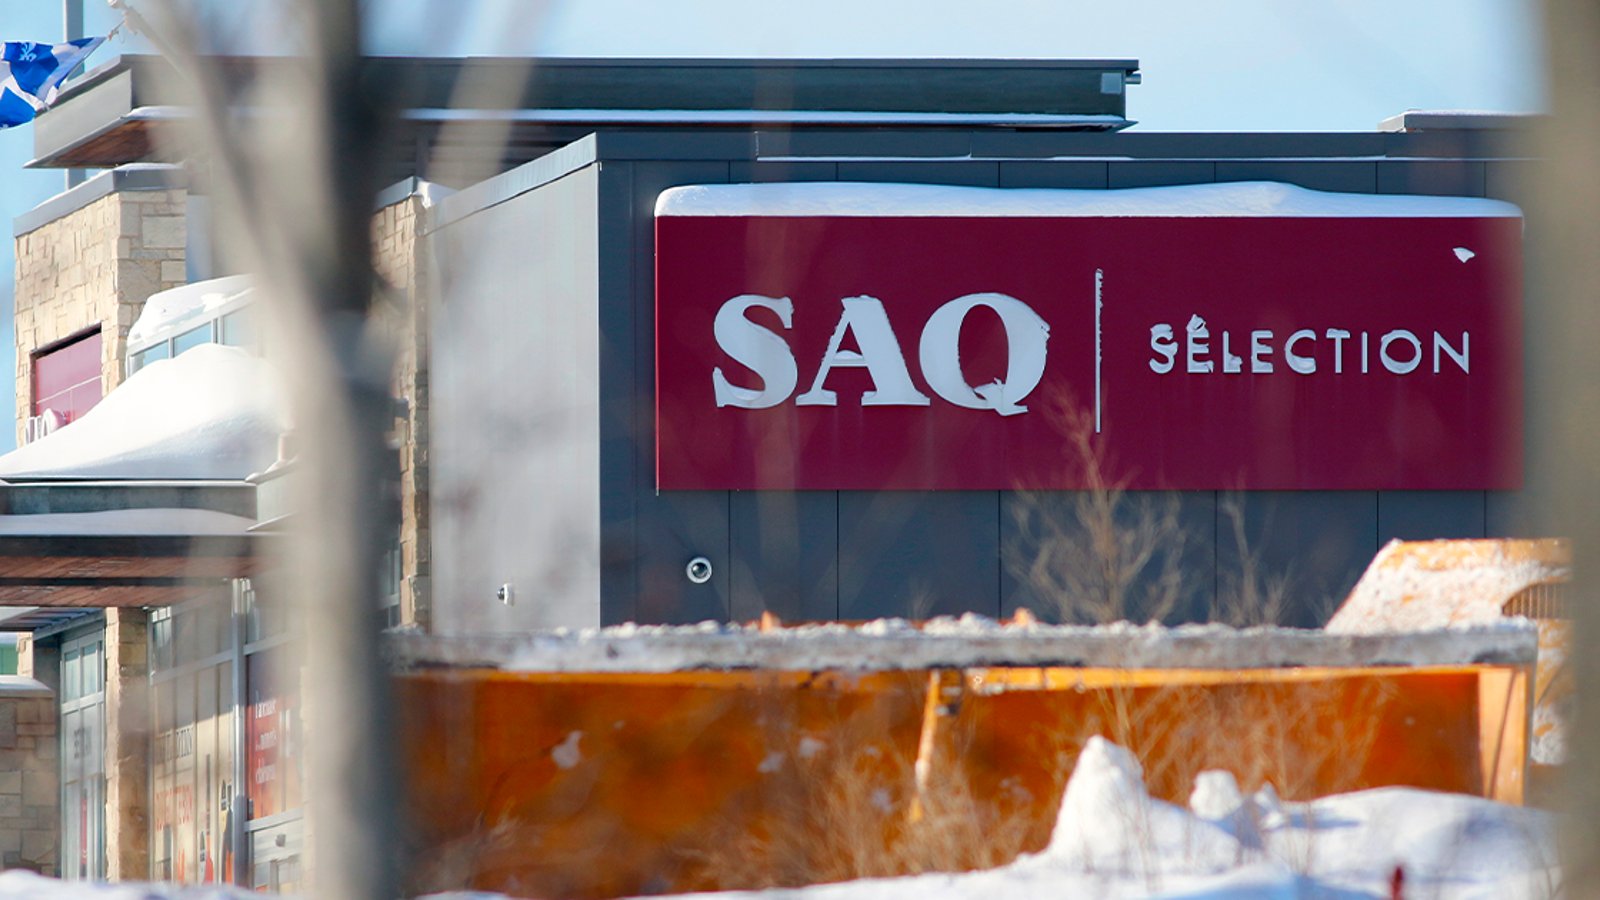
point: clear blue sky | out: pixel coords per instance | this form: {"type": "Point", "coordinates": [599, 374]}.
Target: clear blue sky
{"type": "Point", "coordinates": [1229, 65]}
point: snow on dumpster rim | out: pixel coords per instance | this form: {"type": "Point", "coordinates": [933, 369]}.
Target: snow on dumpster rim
{"type": "Point", "coordinates": [1246, 199]}
{"type": "Point", "coordinates": [968, 642]}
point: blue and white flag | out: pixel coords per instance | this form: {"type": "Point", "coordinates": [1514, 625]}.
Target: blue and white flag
{"type": "Point", "coordinates": [30, 73]}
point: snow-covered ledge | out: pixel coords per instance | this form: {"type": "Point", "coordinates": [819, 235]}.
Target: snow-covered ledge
{"type": "Point", "coordinates": [971, 641]}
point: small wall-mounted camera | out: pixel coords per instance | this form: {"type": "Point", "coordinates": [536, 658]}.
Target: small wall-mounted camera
{"type": "Point", "coordinates": [698, 570]}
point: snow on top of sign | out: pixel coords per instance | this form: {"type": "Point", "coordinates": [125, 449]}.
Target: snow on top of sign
{"type": "Point", "coordinates": [172, 307]}
{"type": "Point", "coordinates": [213, 412]}
{"type": "Point", "coordinates": [1237, 199]}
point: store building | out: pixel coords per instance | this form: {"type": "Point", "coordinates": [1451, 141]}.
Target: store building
{"type": "Point", "coordinates": [566, 313]}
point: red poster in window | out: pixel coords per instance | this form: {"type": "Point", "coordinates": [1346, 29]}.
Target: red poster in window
{"type": "Point", "coordinates": [1345, 343]}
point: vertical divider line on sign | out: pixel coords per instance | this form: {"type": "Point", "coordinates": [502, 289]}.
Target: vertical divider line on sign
{"type": "Point", "coordinates": [1099, 278]}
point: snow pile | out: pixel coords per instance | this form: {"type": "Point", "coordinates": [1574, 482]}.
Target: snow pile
{"type": "Point", "coordinates": [176, 306]}
{"type": "Point", "coordinates": [1416, 585]}
{"type": "Point", "coordinates": [214, 412]}
{"type": "Point", "coordinates": [1235, 199]}
{"type": "Point", "coordinates": [19, 884]}
{"type": "Point", "coordinates": [1113, 840]}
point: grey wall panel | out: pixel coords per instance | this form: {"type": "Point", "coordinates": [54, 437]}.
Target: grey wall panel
{"type": "Point", "coordinates": [1430, 515]}
{"type": "Point", "coordinates": [1350, 177]}
{"type": "Point", "coordinates": [785, 554]}
{"type": "Point", "coordinates": [671, 527]}
{"type": "Point", "coordinates": [516, 412]}
{"type": "Point", "coordinates": [1048, 555]}
{"type": "Point", "coordinates": [1075, 173]}
{"type": "Point", "coordinates": [962, 172]}
{"type": "Point", "coordinates": [1142, 173]}
{"type": "Point", "coordinates": [1310, 547]}
{"type": "Point", "coordinates": [1443, 177]}
{"type": "Point", "coordinates": [781, 170]}
{"type": "Point", "coordinates": [916, 554]}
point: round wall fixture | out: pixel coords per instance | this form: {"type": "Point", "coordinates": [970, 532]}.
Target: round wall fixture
{"type": "Point", "coordinates": [698, 570]}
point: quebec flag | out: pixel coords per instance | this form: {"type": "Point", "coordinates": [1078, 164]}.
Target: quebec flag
{"type": "Point", "coordinates": [30, 74]}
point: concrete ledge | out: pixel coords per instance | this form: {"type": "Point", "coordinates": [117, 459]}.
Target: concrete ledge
{"type": "Point", "coordinates": [21, 686]}
{"type": "Point", "coordinates": [969, 642]}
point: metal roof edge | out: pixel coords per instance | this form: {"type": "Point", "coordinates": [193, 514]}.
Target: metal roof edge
{"type": "Point", "coordinates": [498, 189]}
{"type": "Point", "coordinates": [134, 177]}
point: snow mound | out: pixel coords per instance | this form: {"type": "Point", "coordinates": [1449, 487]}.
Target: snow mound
{"type": "Point", "coordinates": [1113, 840]}
{"type": "Point", "coordinates": [1235, 199]}
{"type": "Point", "coordinates": [19, 884]}
{"type": "Point", "coordinates": [214, 412]}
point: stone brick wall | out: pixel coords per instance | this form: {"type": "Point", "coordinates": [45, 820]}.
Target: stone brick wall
{"type": "Point", "coordinates": [127, 762]}
{"type": "Point", "coordinates": [29, 765]}
{"type": "Point", "coordinates": [93, 268]}
{"type": "Point", "coordinates": [394, 243]}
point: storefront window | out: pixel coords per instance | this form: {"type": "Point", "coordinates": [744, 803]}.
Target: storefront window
{"type": "Point", "coordinates": [83, 759]}
{"type": "Point", "coordinates": [193, 778]}
{"type": "Point", "coordinates": [226, 770]}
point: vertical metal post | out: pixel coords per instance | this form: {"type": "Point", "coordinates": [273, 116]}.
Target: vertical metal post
{"type": "Point", "coordinates": [72, 27]}
{"type": "Point", "coordinates": [238, 802]}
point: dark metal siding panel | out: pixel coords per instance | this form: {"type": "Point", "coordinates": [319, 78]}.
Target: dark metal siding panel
{"type": "Point", "coordinates": [918, 554]}
{"type": "Point", "coordinates": [674, 526]}
{"type": "Point", "coordinates": [619, 489]}
{"type": "Point", "coordinates": [1063, 174]}
{"type": "Point", "coordinates": [1314, 544]}
{"type": "Point", "coordinates": [1430, 515]}
{"type": "Point", "coordinates": [1509, 180]}
{"type": "Point", "coordinates": [1182, 526]}
{"type": "Point", "coordinates": [783, 170]}
{"type": "Point", "coordinates": [785, 553]}
{"type": "Point", "coordinates": [851, 143]}
{"type": "Point", "coordinates": [957, 172]}
{"type": "Point", "coordinates": [1443, 177]}
{"type": "Point", "coordinates": [1142, 173]}
{"type": "Point", "coordinates": [1513, 514]}
{"type": "Point", "coordinates": [1350, 177]}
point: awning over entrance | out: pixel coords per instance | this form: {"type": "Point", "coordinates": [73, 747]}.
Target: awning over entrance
{"type": "Point", "coordinates": [121, 557]}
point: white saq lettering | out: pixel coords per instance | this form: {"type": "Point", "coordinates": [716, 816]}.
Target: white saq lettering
{"type": "Point", "coordinates": [767, 354]}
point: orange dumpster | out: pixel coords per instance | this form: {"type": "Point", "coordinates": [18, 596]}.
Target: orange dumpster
{"type": "Point", "coordinates": [646, 760]}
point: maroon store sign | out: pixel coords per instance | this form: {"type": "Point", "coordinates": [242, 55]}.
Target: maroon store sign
{"type": "Point", "coordinates": [1378, 347]}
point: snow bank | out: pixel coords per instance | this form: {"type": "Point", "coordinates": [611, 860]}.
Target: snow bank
{"type": "Point", "coordinates": [1238, 199]}
{"type": "Point", "coordinates": [1113, 840]}
{"type": "Point", "coordinates": [214, 412]}
{"type": "Point", "coordinates": [18, 884]}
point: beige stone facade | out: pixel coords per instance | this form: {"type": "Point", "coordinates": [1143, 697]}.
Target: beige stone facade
{"type": "Point", "coordinates": [29, 798]}
{"type": "Point", "coordinates": [92, 269]}
{"type": "Point", "coordinates": [394, 243]}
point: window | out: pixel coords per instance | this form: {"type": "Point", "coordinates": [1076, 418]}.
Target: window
{"type": "Point", "coordinates": [83, 728]}
{"type": "Point", "coordinates": [147, 356]}
{"type": "Point", "coordinates": [66, 379]}
{"type": "Point", "coordinates": [194, 337]}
